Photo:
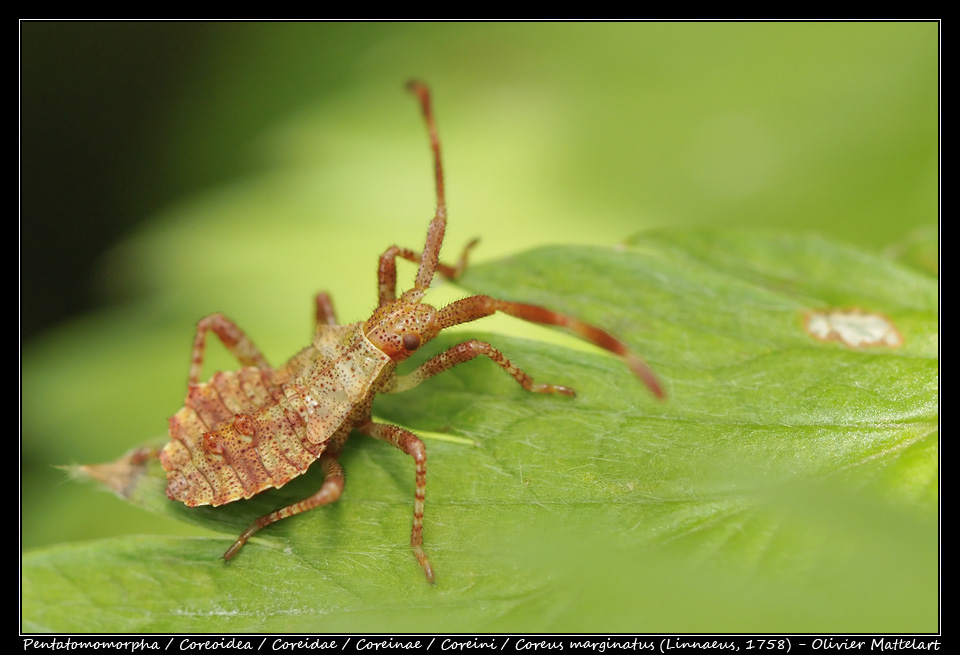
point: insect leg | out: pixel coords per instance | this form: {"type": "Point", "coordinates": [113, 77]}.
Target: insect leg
{"type": "Point", "coordinates": [329, 492]}
{"type": "Point", "coordinates": [409, 443]}
{"type": "Point", "coordinates": [387, 271]}
{"type": "Point", "coordinates": [324, 310]}
{"type": "Point", "coordinates": [233, 339]}
{"type": "Point", "coordinates": [464, 352]}
{"type": "Point", "coordinates": [475, 307]}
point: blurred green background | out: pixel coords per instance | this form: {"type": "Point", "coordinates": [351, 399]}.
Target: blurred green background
{"type": "Point", "coordinates": [171, 170]}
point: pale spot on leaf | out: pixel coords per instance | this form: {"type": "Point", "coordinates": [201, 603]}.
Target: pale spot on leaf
{"type": "Point", "coordinates": [853, 327]}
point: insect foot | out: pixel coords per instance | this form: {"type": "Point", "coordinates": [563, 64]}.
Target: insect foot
{"type": "Point", "coordinates": [242, 432]}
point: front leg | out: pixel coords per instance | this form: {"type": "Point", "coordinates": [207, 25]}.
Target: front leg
{"type": "Point", "coordinates": [409, 443]}
{"type": "Point", "coordinates": [233, 339]}
{"type": "Point", "coordinates": [476, 307]}
{"type": "Point", "coordinates": [387, 270]}
{"type": "Point", "coordinates": [464, 352]}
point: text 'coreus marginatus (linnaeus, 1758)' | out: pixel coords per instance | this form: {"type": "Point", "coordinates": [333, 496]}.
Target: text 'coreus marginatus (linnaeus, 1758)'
{"type": "Point", "coordinates": [245, 431]}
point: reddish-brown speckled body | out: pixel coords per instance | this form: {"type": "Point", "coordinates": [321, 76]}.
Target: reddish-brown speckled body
{"type": "Point", "coordinates": [250, 430]}
{"type": "Point", "coordinates": [257, 428]}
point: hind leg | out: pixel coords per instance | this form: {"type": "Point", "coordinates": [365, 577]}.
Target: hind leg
{"type": "Point", "coordinates": [329, 492]}
{"type": "Point", "coordinates": [234, 340]}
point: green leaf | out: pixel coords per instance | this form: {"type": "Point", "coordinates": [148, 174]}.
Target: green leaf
{"type": "Point", "coordinates": [786, 483]}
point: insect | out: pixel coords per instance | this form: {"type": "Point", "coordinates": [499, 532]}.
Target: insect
{"type": "Point", "coordinates": [245, 431]}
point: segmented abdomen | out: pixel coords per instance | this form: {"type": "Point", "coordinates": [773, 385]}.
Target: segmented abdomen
{"type": "Point", "coordinates": [244, 431]}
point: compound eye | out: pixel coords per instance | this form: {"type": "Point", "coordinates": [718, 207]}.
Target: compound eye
{"type": "Point", "coordinates": [411, 341]}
